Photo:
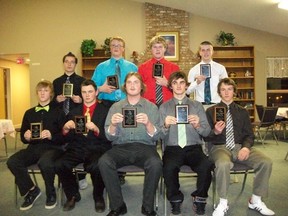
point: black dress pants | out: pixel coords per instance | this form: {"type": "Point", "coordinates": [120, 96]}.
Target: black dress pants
{"type": "Point", "coordinates": [193, 156]}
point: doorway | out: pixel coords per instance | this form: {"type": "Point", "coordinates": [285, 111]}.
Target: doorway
{"type": "Point", "coordinates": [4, 91]}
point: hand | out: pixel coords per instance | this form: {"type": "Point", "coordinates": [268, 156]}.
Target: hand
{"type": "Point", "coordinates": [45, 134]}
{"type": "Point", "coordinates": [116, 119]}
{"type": "Point", "coordinates": [76, 99]}
{"type": "Point", "coordinates": [27, 135]}
{"type": "Point", "coordinates": [243, 154]}
{"type": "Point", "coordinates": [91, 126]}
{"type": "Point", "coordinates": [200, 78]}
{"type": "Point", "coordinates": [161, 81]}
{"type": "Point", "coordinates": [142, 118]}
{"type": "Point", "coordinates": [219, 126]}
{"type": "Point", "coordinates": [69, 125]}
{"type": "Point", "coordinates": [60, 98]}
{"type": "Point", "coordinates": [170, 120]}
{"type": "Point", "coordinates": [194, 120]}
{"type": "Point", "coordinates": [106, 88]}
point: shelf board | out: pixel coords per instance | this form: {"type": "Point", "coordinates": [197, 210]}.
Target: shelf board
{"type": "Point", "coordinates": [243, 100]}
{"type": "Point", "coordinates": [250, 77]}
{"type": "Point", "coordinates": [245, 88]}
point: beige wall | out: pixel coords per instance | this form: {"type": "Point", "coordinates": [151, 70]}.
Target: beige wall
{"type": "Point", "coordinates": [18, 87]}
{"type": "Point", "coordinates": [49, 29]}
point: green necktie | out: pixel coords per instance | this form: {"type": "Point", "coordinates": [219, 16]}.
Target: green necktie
{"type": "Point", "coordinates": [38, 108]}
{"type": "Point", "coordinates": [182, 138]}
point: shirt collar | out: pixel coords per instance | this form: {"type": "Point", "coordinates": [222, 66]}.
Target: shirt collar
{"type": "Point", "coordinates": [140, 103]}
{"type": "Point", "coordinates": [113, 60]}
{"type": "Point", "coordinates": [184, 100]}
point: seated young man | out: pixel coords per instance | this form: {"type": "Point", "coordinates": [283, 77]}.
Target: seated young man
{"type": "Point", "coordinates": [84, 148]}
{"type": "Point", "coordinates": [232, 138]}
{"type": "Point", "coordinates": [183, 144]}
{"type": "Point", "coordinates": [42, 130]}
{"type": "Point", "coordinates": [133, 137]}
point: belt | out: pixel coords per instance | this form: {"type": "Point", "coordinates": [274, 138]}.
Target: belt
{"type": "Point", "coordinates": [207, 103]}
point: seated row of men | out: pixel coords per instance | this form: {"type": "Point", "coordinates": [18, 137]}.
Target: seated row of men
{"type": "Point", "coordinates": [126, 134]}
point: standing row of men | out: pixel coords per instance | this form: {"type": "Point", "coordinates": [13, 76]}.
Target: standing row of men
{"type": "Point", "coordinates": [113, 141]}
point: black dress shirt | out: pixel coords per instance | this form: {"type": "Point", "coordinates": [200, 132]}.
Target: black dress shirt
{"type": "Point", "coordinates": [76, 80]}
{"type": "Point", "coordinates": [243, 132]}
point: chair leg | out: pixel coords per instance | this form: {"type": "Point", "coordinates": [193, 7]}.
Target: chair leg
{"type": "Point", "coordinates": [214, 192]}
{"type": "Point", "coordinates": [5, 143]}
{"type": "Point", "coordinates": [244, 181]}
{"type": "Point", "coordinates": [165, 200]}
{"type": "Point", "coordinates": [286, 156]}
{"type": "Point", "coordinates": [16, 195]}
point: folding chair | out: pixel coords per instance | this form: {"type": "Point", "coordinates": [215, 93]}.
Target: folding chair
{"type": "Point", "coordinates": [267, 118]}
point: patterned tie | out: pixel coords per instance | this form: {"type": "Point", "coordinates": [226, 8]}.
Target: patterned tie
{"type": "Point", "coordinates": [159, 93]}
{"type": "Point", "coordinates": [207, 91]}
{"type": "Point", "coordinates": [66, 104]}
{"type": "Point", "coordinates": [87, 114]}
{"type": "Point", "coordinates": [182, 138]}
{"type": "Point", "coordinates": [118, 73]}
{"type": "Point", "coordinates": [230, 143]}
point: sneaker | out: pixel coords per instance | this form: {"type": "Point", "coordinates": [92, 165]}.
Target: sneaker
{"type": "Point", "coordinates": [83, 184]}
{"type": "Point", "coordinates": [176, 208]}
{"type": "Point", "coordinates": [51, 202]}
{"type": "Point", "coordinates": [199, 204]}
{"type": "Point", "coordinates": [261, 208]}
{"type": "Point", "coordinates": [221, 210]}
{"type": "Point", "coordinates": [30, 198]}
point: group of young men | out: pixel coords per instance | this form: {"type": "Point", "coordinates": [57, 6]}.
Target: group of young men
{"type": "Point", "coordinates": [124, 122]}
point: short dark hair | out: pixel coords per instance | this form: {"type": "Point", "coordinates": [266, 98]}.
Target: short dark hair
{"type": "Point", "coordinates": [175, 76]}
{"type": "Point", "coordinates": [137, 75]}
{"type": "Point", "coordinates": [88, 82]}
{"type": "Point", "coordinates": [227, 81]}
{"type": "Point", "coordinates": [70, 54]}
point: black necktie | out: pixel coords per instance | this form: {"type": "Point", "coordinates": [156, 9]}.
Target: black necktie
{"type": "Point", "coordinates": [66, 104]}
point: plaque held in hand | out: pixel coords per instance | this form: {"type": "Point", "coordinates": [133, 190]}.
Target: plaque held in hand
{"type": "Point", "coordinates": [36, 129]}
{"type": "Point", "coordinates": [182, 112]}
{"type": "Point", "coordinates": [80, 125]}
{"type": "Point", "coordinates": [219, 114]}
{"type": "Point", "coordinates": [113, 81]}
{"type": "Point", "coordinates": [158, 70]}
{"type": "Point", "coordinates": [129, 115]}
{"type": "Point", "coordinates": [68, 89]}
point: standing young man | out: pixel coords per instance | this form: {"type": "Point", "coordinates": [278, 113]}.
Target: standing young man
{"type": "Point", "coordinates": [83, 147]}
{"type": "Point", "coordinates": [116, 65]}
{"type": "Point", "coordinates": [183, 142]}
{"type": "Point", "coordinates": [41, 129]}
{"type": "Point", "coordinates": [157, 86]}
{"type": "Point", "coordinates": [232, 138]}
{"type": "Point", "coordinates": [68, 103]}
{"type": "Point", "coordinates": [205, 84]}
{"type": "Point", "coordinates": [133, 137]}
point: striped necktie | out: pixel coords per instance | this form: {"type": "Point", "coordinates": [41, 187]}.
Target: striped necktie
{"type": "Point", "coordinates": [66, 104]}
{"type": "Point", "coordinates": [159, 93]}
{"type": "Point", "coordinates": [182, 138]}
{"type": "Point", "coordinates": [230, 142]}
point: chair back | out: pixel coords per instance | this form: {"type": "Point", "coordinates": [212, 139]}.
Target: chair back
{"type": "Point", "coordinates": [260, 109]}
{"type": "Point", "coordinates": [269, 116]}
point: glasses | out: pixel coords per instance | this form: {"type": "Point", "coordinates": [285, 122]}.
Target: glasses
{"type": "Point", "coordinates": [116, 45]}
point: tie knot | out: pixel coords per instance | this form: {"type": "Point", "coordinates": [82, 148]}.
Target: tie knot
{"type": "Point", "coordinates": [179, 102]}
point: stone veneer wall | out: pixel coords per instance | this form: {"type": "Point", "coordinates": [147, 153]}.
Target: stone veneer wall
{"type": "Point", "coordinates": [165, 19]}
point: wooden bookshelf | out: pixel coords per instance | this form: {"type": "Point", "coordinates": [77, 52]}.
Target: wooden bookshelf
{"type": "Point", "coordinates": [239, 63]}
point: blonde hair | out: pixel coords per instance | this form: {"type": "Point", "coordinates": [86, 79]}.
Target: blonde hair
{"type": "Point", "coordinates": [157, 39]}
{"type": "Point", "coordinates": [45, 84]}
{"type": "Point", "coordinates": [118, 39]}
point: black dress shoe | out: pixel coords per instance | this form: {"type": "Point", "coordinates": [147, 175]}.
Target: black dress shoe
{"type": "Point", "coordinates": [148, 213]}
{"type": "Point", "coordinates": [99, 205]}
{"type": "Point", "coordinates": [70, 204]}
{"type": "Point", "coordinates": [119, 211]}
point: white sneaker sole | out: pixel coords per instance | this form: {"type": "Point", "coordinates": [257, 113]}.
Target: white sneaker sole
{"type": "Point", "coordinates": [51, 207]}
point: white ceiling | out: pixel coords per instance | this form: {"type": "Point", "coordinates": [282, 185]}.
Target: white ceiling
{"type": "Point", "coordinates": [262, 15]}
